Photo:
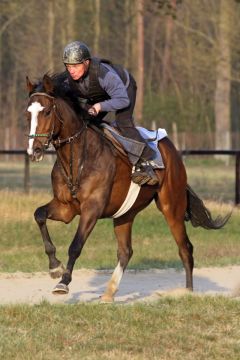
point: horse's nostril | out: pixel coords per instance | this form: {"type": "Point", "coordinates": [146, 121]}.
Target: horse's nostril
{"type": "Point", "coordinates": [37, 154]}
{"type": "Point", "coordinates": [37, 151]}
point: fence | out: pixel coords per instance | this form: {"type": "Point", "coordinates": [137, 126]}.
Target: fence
{"type": "Point", "coordinates": [235, 153]}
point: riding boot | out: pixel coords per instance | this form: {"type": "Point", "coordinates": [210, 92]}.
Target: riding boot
{"type": "Point", "coordinates": [144, 174]}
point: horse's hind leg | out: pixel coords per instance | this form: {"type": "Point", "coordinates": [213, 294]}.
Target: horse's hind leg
{"type": "Point", "coordinates": [54, 210]}
{"type": "Point", "coordinates": [185, 247]}
{"type": "Point", "coordinates": [174, 215]}
{"type": "Point", "coordinates": [123, 232]}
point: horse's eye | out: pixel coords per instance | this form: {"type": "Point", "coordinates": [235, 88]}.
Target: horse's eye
{"type": "Point", "coordinates": [47, 112]}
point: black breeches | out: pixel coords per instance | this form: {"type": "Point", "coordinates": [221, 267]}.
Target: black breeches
{"type": "Point", "coordinates": [125, 124]}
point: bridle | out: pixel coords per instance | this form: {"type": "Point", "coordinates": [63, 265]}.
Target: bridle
{"type": "Point", "coordinates": [50, 135]}
{"type": "Point", "coordinates": [72, 185]}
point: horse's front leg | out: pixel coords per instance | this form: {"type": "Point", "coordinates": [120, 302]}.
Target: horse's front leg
{"type": "Point", "coordinates": [54, 210]}
{"type": "Point", "coordinates": [123, 232]}
{"type": "Point", "coordinates": [89, 216]}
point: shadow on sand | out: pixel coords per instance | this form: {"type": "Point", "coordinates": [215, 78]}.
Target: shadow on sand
{"type": "Point", "coordinates": [140, 285]}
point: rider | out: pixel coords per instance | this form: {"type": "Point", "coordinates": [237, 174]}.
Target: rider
{"type": "Point", "coordinates": [106, 88]}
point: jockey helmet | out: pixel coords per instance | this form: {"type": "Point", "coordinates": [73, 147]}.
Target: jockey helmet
{"type": "Point", "coordinates": [76, 53]}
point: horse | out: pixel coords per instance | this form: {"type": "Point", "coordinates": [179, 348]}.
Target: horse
{"type": "Point", "coordinates": [91, 178]}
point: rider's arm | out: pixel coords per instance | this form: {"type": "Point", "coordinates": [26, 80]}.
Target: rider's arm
{"type": "Point", "coordinates": [115, 88]}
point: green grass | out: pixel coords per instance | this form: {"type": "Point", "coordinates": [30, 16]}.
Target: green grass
{"type": "Point", "coordinates": [153, 245]}
{"type": "Point", "coordinates": [210, 178]}
{"type": "Point", "coordinates": [12, 174]}
{"type": "Point", "coordinates": [190, 327]}
{"type": "Point", "coordinates": [174, 329]}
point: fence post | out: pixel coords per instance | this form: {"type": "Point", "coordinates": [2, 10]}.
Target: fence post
{"type": "Point", "coordinates": [237, 179]}
{"type": "Point", "coordinates": [26, 173]}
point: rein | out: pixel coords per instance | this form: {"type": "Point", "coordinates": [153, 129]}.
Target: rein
{"type": "Point", "coordinates": [72, 185]}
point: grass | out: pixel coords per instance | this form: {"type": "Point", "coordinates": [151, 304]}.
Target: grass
{"type": "Point", "coordinates": [212, 179]}
{"type": "Point", "coordinates": [154, 247]}
{"type": "Point", "coordinates": [22, 247]}
{"type": "Point", "coordinates": [190, 327]}
{"type": "Point", "coordinates": [174, 329]}
{"type": "Point", "coordinates": [12, 174]}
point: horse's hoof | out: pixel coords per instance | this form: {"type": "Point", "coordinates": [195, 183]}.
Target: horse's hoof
{"type": "Point", "coordinates": [106, 299]}
{"type": "Point", "coordinates": [57, 272]}
{"type": "Point", "coordinates": [60, 289]}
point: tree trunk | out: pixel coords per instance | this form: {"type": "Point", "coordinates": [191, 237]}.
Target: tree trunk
{"type": "Point", "coordinates": [96, 40]}
{"type": "Point", "coordinates": [1, 88]}
{"type": "Point", "coordinates": [140, 59]}
{"type": "Point", "coordinates": [51, 23]}
{"type": "Point", "coordinates": [166, 61]}
{"type": "Point", "coordinates": [13, 109]}
{"type": "Point", "coordinates": [128, 35]}
{"type": "Point", "coordinates": [154, 29]}
{"type": "Point", "coordinates": [71, 11]}
{"type": "Point", "coordinates": [223, 83]}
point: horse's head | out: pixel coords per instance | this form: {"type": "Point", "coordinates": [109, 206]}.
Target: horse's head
{"type": "Point", "coordinates": [41, 115]}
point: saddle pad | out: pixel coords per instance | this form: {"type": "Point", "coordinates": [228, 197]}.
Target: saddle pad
{"type": "Point", "coordinates": [134, 147]}
{"type": "Point", "coordinates": [152, 137]}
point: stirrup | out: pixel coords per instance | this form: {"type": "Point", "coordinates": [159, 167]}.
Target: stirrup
{"type": "Point", "coordinates": [144, 174]}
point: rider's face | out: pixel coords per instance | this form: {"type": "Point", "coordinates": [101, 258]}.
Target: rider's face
{"type": "Point", "coordinates": [76, 71]}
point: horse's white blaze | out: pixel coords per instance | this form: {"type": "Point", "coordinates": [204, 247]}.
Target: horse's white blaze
{"type": "Point", "coordinates": [34, 109]}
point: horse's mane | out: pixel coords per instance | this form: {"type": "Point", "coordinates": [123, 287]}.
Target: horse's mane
{"type": "Point", "coordinates": [61, 89]}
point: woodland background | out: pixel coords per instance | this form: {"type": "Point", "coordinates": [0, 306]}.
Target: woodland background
{"type": "Point", "coordinates": [184, 55]}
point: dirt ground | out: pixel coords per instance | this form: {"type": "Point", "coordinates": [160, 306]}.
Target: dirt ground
{"type": "Point", "coordinates": [143, 286]}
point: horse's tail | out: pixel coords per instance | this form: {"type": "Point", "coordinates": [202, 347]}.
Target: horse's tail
{"type": "Point", "coordinates": [199, 215]}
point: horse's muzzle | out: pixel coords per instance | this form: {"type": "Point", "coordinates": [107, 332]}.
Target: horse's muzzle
{"type": "Point", "coordinates": [38, 154]}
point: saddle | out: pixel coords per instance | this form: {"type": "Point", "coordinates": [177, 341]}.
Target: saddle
{"type": "Point", "coordinates": [132, 148]}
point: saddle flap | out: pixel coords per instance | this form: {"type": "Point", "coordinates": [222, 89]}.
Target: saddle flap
{"type": "Point", "coordinates": [132, 148]}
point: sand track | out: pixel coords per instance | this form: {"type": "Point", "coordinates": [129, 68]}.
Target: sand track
{"type": "Point", "coordinates": [88, 285]}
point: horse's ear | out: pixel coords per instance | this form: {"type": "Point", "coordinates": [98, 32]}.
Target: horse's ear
{"type": "Point", "coordinates": [30, 86]}
{"type": "Point", "coordinates": [48, 84]}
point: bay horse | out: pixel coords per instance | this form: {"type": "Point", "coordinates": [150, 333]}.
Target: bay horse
{"type": "Point", "coordinates": [91, 178]}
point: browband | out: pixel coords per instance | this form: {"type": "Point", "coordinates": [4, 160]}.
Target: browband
{"type": "Point", "coordinates": [43, 94]}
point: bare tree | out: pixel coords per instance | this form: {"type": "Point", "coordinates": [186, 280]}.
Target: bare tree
{"type": "Point", "coordinates": [189, 60]}
{"type": "Point", "coordinates": [140, 59]}
{"type": "Point", "coordinates": [51, 23]}
{"type": "Point", "coordinates": [128, 35]}
{"type": "Point", "coordinates": [71, 6]}
{"type": "Point", "coordinates": [96, 39]}
{"type": "Point", "coordinates": [166, 59]}
{"type": "Point", "coordinates": [223, 82]}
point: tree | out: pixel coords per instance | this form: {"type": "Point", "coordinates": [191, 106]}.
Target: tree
{"type": "Point", "coordinates": [96, 12]}
{"type": "Point", "coordinates": [223, 78]}
{"type": "Point", "coordinates": [166, 59]}
{"type": "Point", "coordinates": [140, 59]}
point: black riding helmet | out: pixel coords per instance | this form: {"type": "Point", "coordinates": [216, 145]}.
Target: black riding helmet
{"type": "Point", "coordinates": [76, 53]}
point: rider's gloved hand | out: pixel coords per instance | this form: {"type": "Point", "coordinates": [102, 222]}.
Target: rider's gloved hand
{"type": "Point", "coordinates": [94, 110]}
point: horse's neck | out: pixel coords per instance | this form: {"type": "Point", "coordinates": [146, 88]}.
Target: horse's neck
{"type": "Point", "coordinates": [88, 141]}
{"type": "Point", "coordinates": [72, 123]}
